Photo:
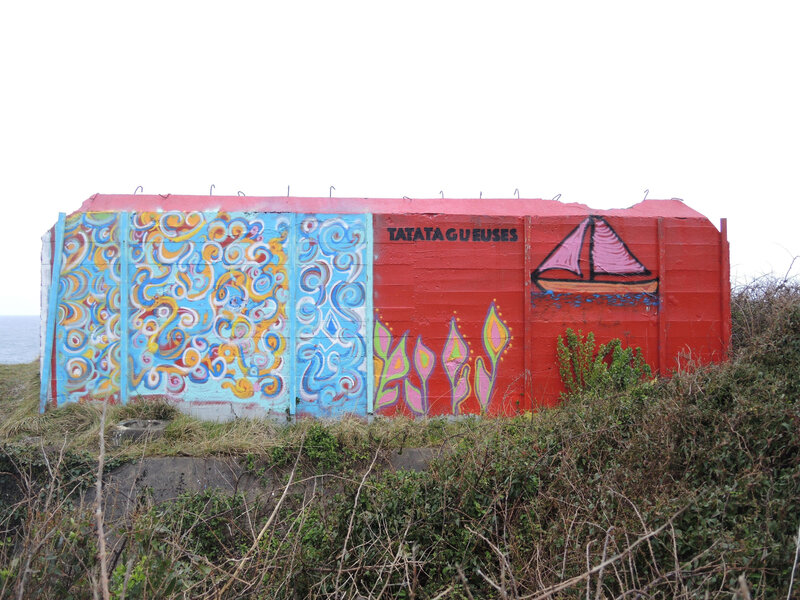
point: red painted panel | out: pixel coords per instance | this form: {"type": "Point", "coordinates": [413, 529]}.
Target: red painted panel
{"type": "Point", "coordinates": [674, 324]}
{"type": "Point", "coordinates": [448, 291]}
{"type": "Point", "coordinates": [627, 309]}
{"type": "Point", "coordinates": [661, 295]}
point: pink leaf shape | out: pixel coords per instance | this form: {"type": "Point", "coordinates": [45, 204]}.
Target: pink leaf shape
{"type": "Point", "coordinates": [387, 398]}
{"type": "Point", "coordinates": [461, 389]}
{"type": "Point", "coordinates": [397, 365]}
{"type": "Point", "coordinates": [424, 360]}
{"type": "Point", "coordinates": [456, 352]}
{"type": "Point", "coordinates": [413, 398]}
{"type": "Point", "coordinates": [496, 336]}
{"type": "Point", "coordinates": [483, 384]}
{"type": "Point", "coordinates": [382, 340]}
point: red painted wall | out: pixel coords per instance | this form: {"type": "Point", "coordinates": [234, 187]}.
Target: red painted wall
{"type": "Point", "coordinates": [421, 285]}
{"type": "Point", "coordinates": [631, 317]}
{"type": "Point", "coordinates": [674, 309]}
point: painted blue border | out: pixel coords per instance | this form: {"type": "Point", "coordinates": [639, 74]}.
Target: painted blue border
{"type": "Point", "coordinates": [369, 313]}
{"type": "Point", "coordinates": [292, 349]}
{"type": "Point", "coordinates": [124, 306]}
{"type": "Point", "coordinates": [52, 306]}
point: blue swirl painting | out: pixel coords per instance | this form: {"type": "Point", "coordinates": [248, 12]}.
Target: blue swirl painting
{"type": "Point", "coordinates": [263, 309]}
{"type": "Point", "coordinates": [330, 314]}
{"type": "Point", "coordinates": [208, 307]}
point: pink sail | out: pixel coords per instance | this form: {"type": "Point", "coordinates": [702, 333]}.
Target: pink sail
{"type": "Point", "coordinates": [567, 253]}
{"type": "Point", "coordinates": [609, 254]}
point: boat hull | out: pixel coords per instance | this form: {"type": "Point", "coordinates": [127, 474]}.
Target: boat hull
{"type": "Point", "coordinates": [649, 286]}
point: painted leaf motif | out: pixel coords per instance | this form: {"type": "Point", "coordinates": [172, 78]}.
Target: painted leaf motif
{"type": "Point", "coordinates": [382, 340]}
{"type": "Point", "coordinates": [377, 370]}
{"type": "Point", "coordinates": [456, 352]}
{"type": "Point", "coordinates": [387, 397]}
{"type": "Point", "coordinates": [496, 336]}
{"type": "Point", "coordinates": [414, 398]}
{"type": "Point", "coordinates": [397, 365]}
{"type": "Point", "coordinates": [424, 360]}
{"type": "Point", "coordinates": [461, 389]}
{"type": "Point", "coordinates": [483, 384]}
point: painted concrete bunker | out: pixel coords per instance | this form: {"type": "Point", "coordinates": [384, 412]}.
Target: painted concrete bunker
{"type": "Point", "coordinates": [325, 307]}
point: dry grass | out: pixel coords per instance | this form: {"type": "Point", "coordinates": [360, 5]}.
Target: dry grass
{"type": "Point", "coordinates": [78, 424]}
{"type": "Point", "coordinates": [685, 488]}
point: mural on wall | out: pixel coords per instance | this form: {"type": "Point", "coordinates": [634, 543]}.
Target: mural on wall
{"type": "Point", "coordinates": [449, 301]}
{"type": "Point", "coordinates": [210, 300]}
{"type": "Point", "coordinates": [496, 338]}
{"type": "Point", "coordinates": [305, 312]}
{"type": "Point", "coordinates": [330, 314]}
{"type": "Point", "coordinates": [613, 274]}
{"type": "Point", "coordinates": [87, 337]}
{"type": "Point", "coordinates": [393, 368]}
{"type": "Point", "coordinates": [208, 306]}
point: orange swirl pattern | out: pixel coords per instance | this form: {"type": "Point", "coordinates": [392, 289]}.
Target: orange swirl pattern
{"type": "Point", "coordinates": [87, 336]}
{"type": "Point", "coordinates": [208, 306]}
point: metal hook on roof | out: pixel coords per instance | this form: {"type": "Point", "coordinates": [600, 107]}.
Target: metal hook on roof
{"type": "Point", "coordinates": [480, 195]}
{"type": "Point", "coordinates": [557, 196]}
{"type": "Point", "coordinates": [406, 198]}
{"type": "Point", "coordinates": [442, 193]}
{"type": "Point", "coordinates": [241, 193]}
{"type": "Point", "coordinates": [211, 190]}
{"type": "Point", "coordinates": [138, 187]}
{"type": "Point", "coordinates": [330, 191]}
{"type": "Point", "coordinates": [647, 191]}
{"type": "Point", "coordinates": [516, 191]}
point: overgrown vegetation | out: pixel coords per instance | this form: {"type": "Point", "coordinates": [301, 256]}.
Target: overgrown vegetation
{"type": "Point", "coordinates": [588, 371]}
{"type": "Point", "coordinates": [680, 488]}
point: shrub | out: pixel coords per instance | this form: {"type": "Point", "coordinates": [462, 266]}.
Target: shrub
{"type": "Point", "coordinates": [587, 370]}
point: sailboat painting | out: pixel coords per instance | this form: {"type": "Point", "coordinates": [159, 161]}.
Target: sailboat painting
{"type": "Point", "coordinates": [612, 267]}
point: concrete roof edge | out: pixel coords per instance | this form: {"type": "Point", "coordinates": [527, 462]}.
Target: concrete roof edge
{"type": "Point", "coordinates": [452, 206]}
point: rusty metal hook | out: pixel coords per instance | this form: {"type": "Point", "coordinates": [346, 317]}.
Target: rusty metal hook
{"type": "Point", "coordinates": [330, 191]}
{"type": "Point", "coordinates": [138, 187]}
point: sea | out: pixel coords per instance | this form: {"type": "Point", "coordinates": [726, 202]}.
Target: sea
{"type": "Point", "coordinates": [19, 339]}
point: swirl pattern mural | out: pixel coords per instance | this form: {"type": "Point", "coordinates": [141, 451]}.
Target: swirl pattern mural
{"type": "Point", "coordinates": [330, 314]}
{"type": "Point", "coordinates": [208, 306]}
{"type": "Point", "coordinates": [209, 309]}
{"type": "Point", "coordinates": [87, 336]}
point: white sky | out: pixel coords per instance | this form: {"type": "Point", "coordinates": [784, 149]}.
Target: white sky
{"type": "Point", "coordinates": [597, 101]}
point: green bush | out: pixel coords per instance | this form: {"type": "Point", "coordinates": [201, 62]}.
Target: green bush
{"type": "Point", "coordinates": [322, 446]}
{"type": "Point", "coordinates": [588, 370]}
